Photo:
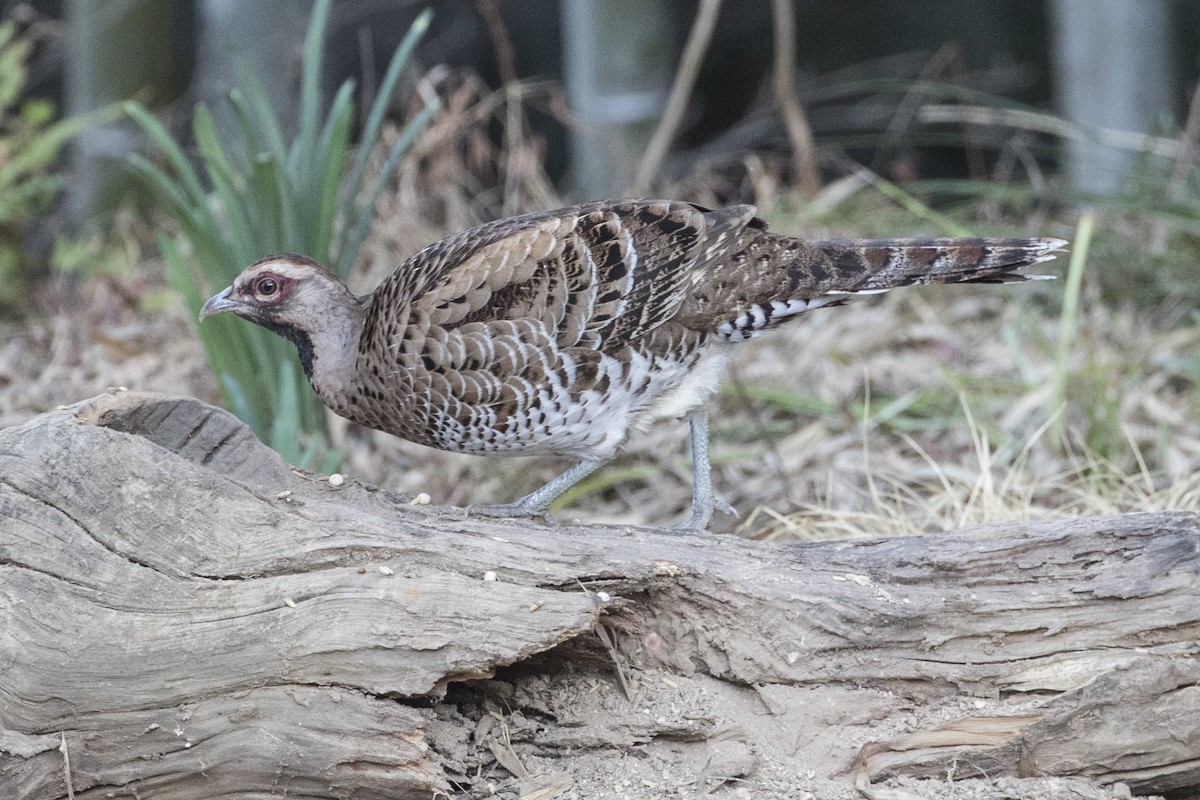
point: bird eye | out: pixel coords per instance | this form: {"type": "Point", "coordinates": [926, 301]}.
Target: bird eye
{"type": "Point", "coordinates": [266, 286]}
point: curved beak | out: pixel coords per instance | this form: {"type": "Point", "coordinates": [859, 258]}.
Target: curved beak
{"type": "Point", "coordinates": [218, 303]}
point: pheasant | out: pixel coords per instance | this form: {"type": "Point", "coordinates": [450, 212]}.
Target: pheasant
{"type": "Point", "coordinates": [563, 332]}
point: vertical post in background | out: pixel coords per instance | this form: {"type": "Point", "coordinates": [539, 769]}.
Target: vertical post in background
{"type": "Point", "coordinates": [618, 56]}
{"type": "Point", "coordinates": [265, 35]}
{"type": "Point", "coordinates": [1112, 70]}
{"type": "Point", "coordinates": [145, 50]}
{"type": "Point", "coordinates": [118, 49]}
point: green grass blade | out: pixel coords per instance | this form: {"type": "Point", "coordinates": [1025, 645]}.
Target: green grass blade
{"type": "Point", "coordinates": [604, 480]}
{"type": "Point", "coordinates": [264, 198]}
{"type": "Point", "coordinates": [917, 208]}
{"type": "Point", "coordinates": [238, 402]}
{"type": "Point", "coordinates": [224, 179]}
{"type": "Point", "coordinates": [360, 219]}
{"type": "Point", "coordinates": [13, 57]}
{"type": "Point", "coordinates": [370, 131]}
{"type": "Point", "coordinates": [285, 425]}
{"type": "Point", "coordinates": [1068, 322]}
{"type": "Point", "coordinates": [175, 156]}
{"type": "Point", "coordinates": [326, 183]}
{"type": "Point", "coordinates": [290, 232]}
{"type": "Point", "coordinates": [786, 400]}
{"type": "Point", "coordinates": [262, 114]}
{"type": "Point", "coordinates": [182, 278]}
{"type": "Point", "coordinates": [158, 182]}
{"type": "Point", "coordinates": [204, 128]}
{"type": "Point", "coordinates": [310, 87]}
{"type": "Point", "coordinates": [237, 101]}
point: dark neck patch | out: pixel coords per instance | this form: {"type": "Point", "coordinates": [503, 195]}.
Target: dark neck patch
{"type": "Point", "coordinates": [298, 337]}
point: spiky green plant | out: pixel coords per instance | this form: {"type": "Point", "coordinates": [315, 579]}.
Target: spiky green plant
{"type": "Point", "coordinates": [260, 195]}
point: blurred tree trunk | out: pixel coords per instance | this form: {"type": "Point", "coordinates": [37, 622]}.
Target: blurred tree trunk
{"type": "Point", "coordinates": [118, 49]}
{"type": "Point", "coordinates": [1112, 69]}
{"type": "Point", "coordinates": [121, 49]}
{"type": "Point", "coordinates": [266, 36]}
{"type": "Point", "coordinates": [617, 59]}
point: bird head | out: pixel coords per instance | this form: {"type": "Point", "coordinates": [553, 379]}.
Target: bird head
{"type": "Point", "coordinates": [300, 300]}
{"type": "Point", "coordinates": [280, 290]}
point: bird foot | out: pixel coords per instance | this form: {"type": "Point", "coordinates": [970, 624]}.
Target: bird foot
{"type": "Point", "coordinates": [702, 514]}
{"type": "Point", "coordinates": [516, 510]}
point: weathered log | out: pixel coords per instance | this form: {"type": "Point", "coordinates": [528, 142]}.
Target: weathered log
{"type": "Point", "coordinates": [183, 616]}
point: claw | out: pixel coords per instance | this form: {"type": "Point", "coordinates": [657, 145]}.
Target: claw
{"type": "Point", "coordinates": [702, 515]}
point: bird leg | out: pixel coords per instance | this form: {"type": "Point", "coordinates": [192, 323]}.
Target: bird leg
{"type": "Point", "coordinates": [537, 503]}
{"type": "Point", "coordinates": [704, 500]}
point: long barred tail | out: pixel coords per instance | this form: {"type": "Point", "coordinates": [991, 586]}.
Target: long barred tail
{"type": "Point", "coordinates": [880, 264]}
{"type": "Point", "coordinates": [770, 278]}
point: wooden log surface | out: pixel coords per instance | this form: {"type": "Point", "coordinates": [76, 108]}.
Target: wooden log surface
{"type": "Point", "coordinates": [183, 616]}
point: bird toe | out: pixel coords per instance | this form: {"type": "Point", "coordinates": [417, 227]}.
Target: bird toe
{"type": "Point", "coordinates": [511, 511]}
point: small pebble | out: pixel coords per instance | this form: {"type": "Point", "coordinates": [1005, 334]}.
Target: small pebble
{"type": "Point", "coordinates": [421, 499]}
{"type": "Point", "coordinates": [603, 597]}
{"type": "Point", "coordinates": [337, 479]}
{"type": "Point", "coordinates": [289, 602]}
{"type": "Point", "coordinates": [383, 570]}
{"type": "Point", "coordinates": [491, 575]}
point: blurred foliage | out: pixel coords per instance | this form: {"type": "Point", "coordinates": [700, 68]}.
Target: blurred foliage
{"type": "Point", "coordinates": [260, 196]}
{"type": "Point", "coordinates": [109, 246]}
{"type": "Point", "coordinates": [30, 142]}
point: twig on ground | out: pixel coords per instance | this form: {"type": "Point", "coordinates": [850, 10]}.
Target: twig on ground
{"type": "Point", "coordinates": [62, 748]}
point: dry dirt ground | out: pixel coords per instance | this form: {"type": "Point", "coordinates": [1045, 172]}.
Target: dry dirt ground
{"type": "Point", "coordinates": [795, 474]}
{"type": "Point", "coordinates": [771, 742]}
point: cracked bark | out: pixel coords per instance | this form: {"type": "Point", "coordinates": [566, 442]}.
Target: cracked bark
{"type": "Point", "coordinates": [193, 631]}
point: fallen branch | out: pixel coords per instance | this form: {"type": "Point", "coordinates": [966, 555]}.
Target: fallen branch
{"type": "Point", "coordinates": [194, 619]}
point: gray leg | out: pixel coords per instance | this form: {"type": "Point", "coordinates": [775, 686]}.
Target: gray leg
{"type": "Point", "coordinates": [704, 500]}
{"type": "Point", "coordinates": [537, 503]}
